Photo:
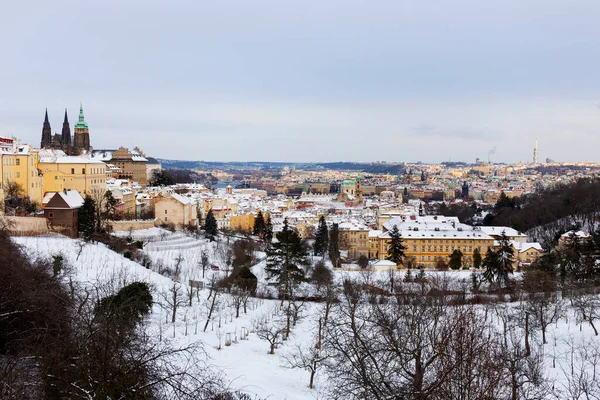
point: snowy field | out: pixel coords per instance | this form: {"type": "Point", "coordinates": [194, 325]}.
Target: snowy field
{"type": "Point", "coordinates": [246, 362]}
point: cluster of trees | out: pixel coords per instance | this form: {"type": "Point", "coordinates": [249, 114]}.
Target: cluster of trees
{"type": "Point", "coordinates": [579, 200]}
{"type": "Point", "coordinates": [263, 228]}
{"type": "Point", "coordinates": [327, 242]}
{"type": "Point", "coordinates": [95, 213]}
{"type": "Point", "coordinates": [16, 201]}
{"type": "Point", "coordinates": [166, 177]}
{"type": "Point", "coordinates": [391, 339]}
{"type": "Point", "coordinates": [62, 340]}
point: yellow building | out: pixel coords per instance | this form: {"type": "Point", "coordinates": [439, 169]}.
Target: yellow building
{"type": "Point", "coordinates": [20, 164]}
{"type": "Point", "coordinates": [430, 239]}
{"type": "Point", "coordinates": [243, 222]}
{"type": "Point", "coordinates": [354, 238]}
{"type": "Point", "coordinates": [86, 175]}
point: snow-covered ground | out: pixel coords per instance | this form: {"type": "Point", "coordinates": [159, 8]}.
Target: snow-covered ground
{"type": "Point", "coordinates": [246, 362]}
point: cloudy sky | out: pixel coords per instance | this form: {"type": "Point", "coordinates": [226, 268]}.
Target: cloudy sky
{"type": "Point", "coordinates": [326, 80]}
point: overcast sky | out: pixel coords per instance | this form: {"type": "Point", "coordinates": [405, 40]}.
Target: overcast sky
{"type": "Point", "coordinates": [326, 80]}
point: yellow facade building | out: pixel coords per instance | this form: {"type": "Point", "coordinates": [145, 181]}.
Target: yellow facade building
{"type": "Point", "coordinates": [430, 239]}
{"type": "Point", "coordinates": [242, 222]}
{"type": "Point", "coordinates": [19, 164]}
{"type": "Point", "coordinates": [86, 175]}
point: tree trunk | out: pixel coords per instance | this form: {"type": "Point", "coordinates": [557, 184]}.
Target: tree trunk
{"type": "Point", "coordinates": [312, 375]}
{"type": "Point", "coordinates": [593, 326]}
{"type": "Point", "coordinates": [527, 348]}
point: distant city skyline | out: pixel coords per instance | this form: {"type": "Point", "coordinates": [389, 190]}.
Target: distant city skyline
{"type": "Point", "coordinates": [309, 81]}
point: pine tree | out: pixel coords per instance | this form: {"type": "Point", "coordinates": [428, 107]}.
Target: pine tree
{"type": "Point", "coordinates": [259, 225]}
{"type": "Point", "coordinates": [506, 258]}
{"type": "Point", "coordinates": [476, 258]}
{"type": "Point", "coordinates": [268, 232]}
{"type": "Point", "coordinates": [321, 238]}
{"type": "Point", "coordinates": [86, 218]}
{"type": "Point", "coordinates": [210, 226]}
{"type": "Point", "coordinates": [490, 264]}
{"type": "Point", "coordinates": [499, 264]}
{"type": "Point", "coordinates": [334, 245]}
{"type": "Point", "coordinates": [286, 259]}
{"type": "Point", "coordinates": [456, 259]}
{"type": "Point", "coordinates": [396, 249]}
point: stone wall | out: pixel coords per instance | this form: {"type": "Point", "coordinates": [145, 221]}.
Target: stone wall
{"type": "Point", "coordinates": [135, 225]}
{"type": "Point", "coordinates": [25, 226]}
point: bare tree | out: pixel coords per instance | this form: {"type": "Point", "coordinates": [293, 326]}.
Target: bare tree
{"type": "Point", "coordinates": [272, 331]}
{"type": "Point", "coordinates": [308, 358]}
{"type": "Point", "coordinates": [212, 302]}
{"type": "Point", "coordinates": [239, 298]}
{"type": "Point", "coordinates": [173, 299]}
{"type": "Point", "coordinates": [586, 306]}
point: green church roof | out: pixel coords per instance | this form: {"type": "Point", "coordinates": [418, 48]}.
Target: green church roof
{"type": "Point", "coordinates": [81, 123]}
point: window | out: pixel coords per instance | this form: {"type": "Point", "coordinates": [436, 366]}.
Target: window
{"type": "Point", "coordinates": [18, 161]}
{"type": "Point", "coordinates": [18, 175]}
{"type": "Point", "coordinates": [55, 177]}
{"type": "Point", "coordinates": [72, 171]}
{"type": "Point", "coordinates": [166, 219]}
{"type": "Point", "coordinates": [165, 211]}
{"type": "Point", "coordinates": [83, 171]}
{"type": "Point", "coordinates": [50, 215]}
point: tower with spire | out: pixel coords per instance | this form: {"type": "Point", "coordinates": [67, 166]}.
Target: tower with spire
{"type": "Point", "coordinates": [66, 135]}
{"type": "Point", "coordinates": [535, 152]}
{"type": "Point", "coordinates": [82, 134]}
{"type": "Point", "coordinates": [46, 132]}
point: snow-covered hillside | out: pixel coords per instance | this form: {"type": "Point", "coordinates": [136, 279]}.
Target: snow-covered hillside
{"type": "Point", "coordinates": [246, 362]}
{"type": "Point", "coordinates": [243, 359]}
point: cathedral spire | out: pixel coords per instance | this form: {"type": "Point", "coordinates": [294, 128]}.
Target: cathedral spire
{"type": "Point", "coordinates": [46, 132]}
{"type": "Point", "coordinates": [66, 135]}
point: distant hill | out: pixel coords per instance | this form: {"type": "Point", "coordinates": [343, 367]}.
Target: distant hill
{"type": "Point", "coordinates": [375, 168]}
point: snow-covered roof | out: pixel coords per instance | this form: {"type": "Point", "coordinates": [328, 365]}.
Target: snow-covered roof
{"type": "Point", "coordinates": [182, 199]}
{"type": "Point", "coordinates": [71, 197]}
{"type": "Point", "coordinates": [497, 230]}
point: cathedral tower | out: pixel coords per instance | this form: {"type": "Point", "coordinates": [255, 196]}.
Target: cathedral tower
{"type": "Point", "coordinates": [46, 133]}
{"type": "Point", "coordinates": [82, 134]}
{"type": "Point", "coordinates": [66, 135]}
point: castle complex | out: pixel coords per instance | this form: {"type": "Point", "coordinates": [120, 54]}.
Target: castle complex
{"type": "Point", "coordinates": [79, 144]}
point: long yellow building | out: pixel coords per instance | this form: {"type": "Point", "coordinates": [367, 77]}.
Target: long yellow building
{"type": "Point", "coordinates": [86, 175]}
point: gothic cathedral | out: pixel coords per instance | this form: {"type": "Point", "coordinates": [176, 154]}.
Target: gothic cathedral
{"type": "Point", "coordinates": [78, 145]}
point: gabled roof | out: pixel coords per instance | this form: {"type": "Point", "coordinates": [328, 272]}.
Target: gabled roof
{"type": "Point", "coordinates": [64, 200]}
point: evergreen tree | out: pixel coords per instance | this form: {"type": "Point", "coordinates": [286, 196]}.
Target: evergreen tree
{"type": "Point", "coordinates": [321, 238]}
{"type": "Point", "coordinates": [499, 264]}
{"type": "Point", "coordinates": [268, 232]}
{"type": "Point", "coordinates": [490, 264]}
{"type": "Point", "coordinates": [456, 259]}
{"type": "Point", "coordinates": [259, 225]}
{"type": "Point", "coordinates": [334, 245]}
{"type": "Point", "coordinates": [286, 259]}
{"type": "Point", "coordinates": [476, 258]}
{"type": "Point", "coordinates": [86, 218]}
{"type": "Point", "coordinates": [210, 225]}
{"type": "Point", "coordinates": [396, 249]}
